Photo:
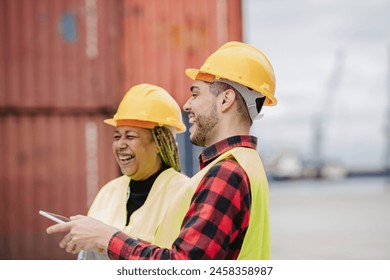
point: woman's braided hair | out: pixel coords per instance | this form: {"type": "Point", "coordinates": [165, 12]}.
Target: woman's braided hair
{"type": "Point", "coordinates": [167, 147]}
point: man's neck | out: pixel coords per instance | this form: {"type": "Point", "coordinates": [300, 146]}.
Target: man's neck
{"type": "Point", "coordinates": [226, 130]}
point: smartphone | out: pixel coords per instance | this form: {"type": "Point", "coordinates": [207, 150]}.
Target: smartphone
{"type": "Point", "coordinates": [55, 217]}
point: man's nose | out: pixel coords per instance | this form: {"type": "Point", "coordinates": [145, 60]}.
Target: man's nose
{"type": "Point", "coordinates": [187, 106]}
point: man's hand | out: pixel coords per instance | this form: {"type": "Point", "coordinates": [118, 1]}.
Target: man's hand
{"type": "Point", "coordinates": [83, 233]}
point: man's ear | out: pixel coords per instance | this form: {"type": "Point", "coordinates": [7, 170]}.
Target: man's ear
{"type": "Point", "coordinates": [228, 98]}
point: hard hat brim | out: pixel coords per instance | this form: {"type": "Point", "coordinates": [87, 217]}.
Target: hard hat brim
{"type": "Point", "coordinates": [192, 73]}
{"type": "Point", "coordinates": [110, 122]}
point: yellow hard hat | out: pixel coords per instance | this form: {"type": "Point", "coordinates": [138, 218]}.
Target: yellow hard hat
{"type": "Point", "coordinates": [240, 63]}
{"type": "Point", "coordinates": [146, 106]}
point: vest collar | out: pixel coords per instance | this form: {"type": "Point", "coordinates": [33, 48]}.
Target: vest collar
{"type": "Point", "coordinates": [212, 152]}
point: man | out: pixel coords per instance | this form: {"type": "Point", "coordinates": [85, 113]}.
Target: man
{"type": "Point", "coordinates": [227, 215]}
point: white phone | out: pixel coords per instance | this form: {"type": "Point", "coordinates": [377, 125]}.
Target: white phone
{"type": "Point", "coordinates": [55, 217]}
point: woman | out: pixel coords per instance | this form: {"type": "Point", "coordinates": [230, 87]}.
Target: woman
{"type": "Point", "coordinates": [145, 149]}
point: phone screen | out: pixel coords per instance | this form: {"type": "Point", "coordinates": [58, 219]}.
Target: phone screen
{"type": "Point", "coordinates": [55, 217]}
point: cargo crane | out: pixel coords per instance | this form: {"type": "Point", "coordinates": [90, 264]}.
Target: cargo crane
{"type": "Point", "coordinates": [387, 128]}
{"type": "Point", "coordinates": [320, 120]}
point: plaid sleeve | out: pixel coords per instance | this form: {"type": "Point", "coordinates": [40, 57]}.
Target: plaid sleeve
{"type": "Point", "coordinates": [214, 226]}
{"type": "Point", "coordinates": [218, 217]}
{"type": "Point", "coordinates": [123, 247]}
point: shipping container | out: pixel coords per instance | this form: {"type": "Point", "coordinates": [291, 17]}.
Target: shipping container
{"type": "Point", "coordinates": [60, 54]}
{"type": "Point", "coordinates": [163, 38]}
{"type": "Point", "coordinates": [64, 67]}
{"type": "Point", "coordinates": [49, 162]}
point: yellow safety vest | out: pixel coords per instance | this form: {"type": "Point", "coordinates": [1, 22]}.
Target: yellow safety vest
{"type": "Point", "coordinates": [109, 207]}
{"type": "Point", "coordinates": [256, 244]}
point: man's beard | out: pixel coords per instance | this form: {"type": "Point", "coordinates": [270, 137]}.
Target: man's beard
{"type": "Point", "coordinates": [204, 127]}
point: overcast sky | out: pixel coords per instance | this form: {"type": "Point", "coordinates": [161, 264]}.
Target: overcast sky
{"type": "Point", "coordinates": [331, 59]}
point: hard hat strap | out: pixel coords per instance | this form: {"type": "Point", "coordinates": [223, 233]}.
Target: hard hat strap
{"type": "Point", "coordinates": [250, 96]}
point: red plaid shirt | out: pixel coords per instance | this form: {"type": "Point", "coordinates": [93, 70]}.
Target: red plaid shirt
{"type": "Point", "coordinates": [215, 224]}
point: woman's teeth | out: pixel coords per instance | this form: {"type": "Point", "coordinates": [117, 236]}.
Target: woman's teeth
{"type": "Point", "coordinates": [125, 158]}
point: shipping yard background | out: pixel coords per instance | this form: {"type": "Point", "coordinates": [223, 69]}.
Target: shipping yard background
{"type": "Point", "coordinates": [325, 146]}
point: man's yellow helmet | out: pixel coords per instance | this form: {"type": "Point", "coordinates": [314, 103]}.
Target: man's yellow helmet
{"type": "Point", "coordinates": [240, 63]}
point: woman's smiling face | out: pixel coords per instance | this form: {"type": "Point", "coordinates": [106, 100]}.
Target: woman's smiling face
{"type": "Point", "coordinates": [136, 152]}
